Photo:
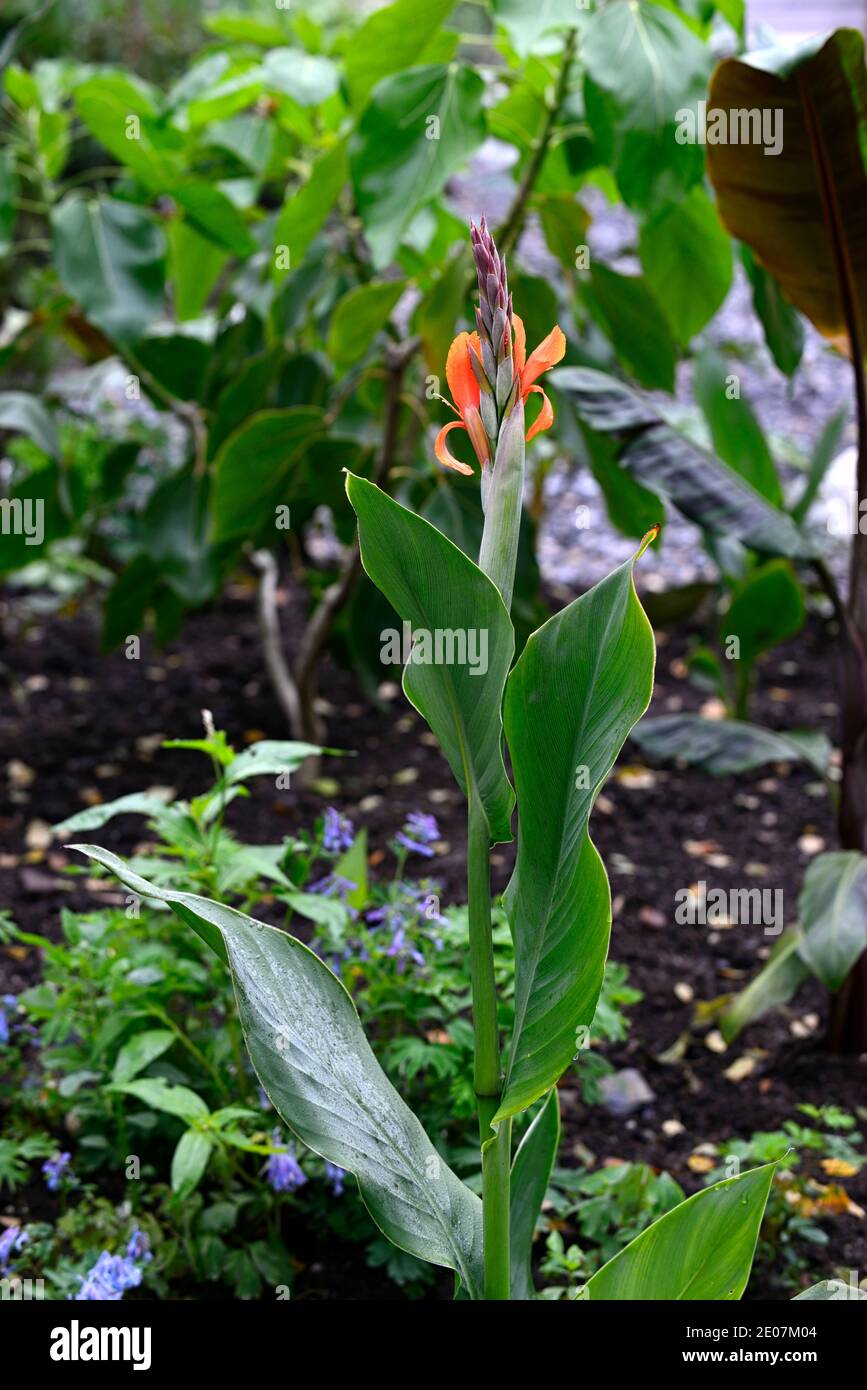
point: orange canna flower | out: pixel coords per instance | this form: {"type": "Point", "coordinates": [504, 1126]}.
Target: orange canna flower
{"type": "Point", "coordinates": [466, 394]}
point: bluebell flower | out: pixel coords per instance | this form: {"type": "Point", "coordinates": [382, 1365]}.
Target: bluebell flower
{"type": "Point", "coordinates": [264, 1102]}
{"type": "Point", "coordinates": [12, 1240]}
{"type": "Point", "coordinates": [56, 1171]}
{"type": "Point", "coordinates": [419, 833]}
{"type": "Point", "coordinates": [8, 1001]}
{"type": "Point", "coordinates": [283, 1170]}
{"type": "Point", "coordinates": [109, 1279]}
{"type": "Point", "coordinates": [139, 1247]}
{"type": "Point", "coordinates": [336, 1176]}
{"type": "Point", "coordinates": [337, 832]}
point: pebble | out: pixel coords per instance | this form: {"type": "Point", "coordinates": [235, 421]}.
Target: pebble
{"type": "Point", "coordinates": [625, 1091]}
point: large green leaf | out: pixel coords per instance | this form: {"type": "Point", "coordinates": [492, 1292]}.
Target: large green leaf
{"type": "Point", "coordinates": [634, 321]}
{"type": "Point", "coordinates": [700, 485]}
{"type": "Point", "coordinates": [643, 66]}
{"type": "Point", "coordinates": [308, 78]}
{"type": "Point", "coordinates": [118, 111]}
{"type": "Point", "coordinates": [390, 40]}
{"type": "Point", "coordinates": [531, 1172]}
{"type": "Point", "coordinates": [776, 983]}
{"type": "Point", "coordinates": [309, 1050]}
{"type": "Point", "coordinates": [358, 317]}
{"type": "Point", "coordinates": [254, 467]}
{"type": "Point", "coordinates": [830, 1290]}
{"type": "Point", "coordinates": [687, 261]}
{"type": "Point", "coordinates": [782, 324]}
{"type": "Point", "coordinates": [530, 26]}
{"type": "Point", "coordinates": [303, 214]}
{"type": "Point", "coordinates": [833, 913]}
{"type": "Point", "coordinates": [803, 209]}
{"type": "Point", "coordinates": [736, 433]}
{"type": "Point", "coordinates": [725, 746]}
{"type": "Point", "coordinates": [701, 1249]}
{"type": "Point", "coordinates": [420, 127]}
{"type": "Point", "coordinates": [433, 586]}
{"type": "Point", "coordinates": [582, 682]}
{"type": "Point", "coordinates": [110, 256]}
{"type": "Point", "coordinates": [23, 413]}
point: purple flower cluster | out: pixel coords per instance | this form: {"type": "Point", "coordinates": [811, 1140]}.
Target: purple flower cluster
{"type": "Point", "coordinates": [112, 1275]}
{"type": "Point", "coordinates": [419, 833]}
{"type": "Point", "coordinates": [336, 1176]}
{"type": "Point", "coordinates": [12, 1240]}
{"type": "Point", "coordinates": [283, 1170]}
{"type": "Point", "coordinates": [337, 832]}
{"type": "Point", "coordinates": [7, 1001]}
{"type": "Point", "coordinates": [57, 1172]}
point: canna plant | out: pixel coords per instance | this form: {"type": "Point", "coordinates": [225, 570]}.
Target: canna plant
{"type": "Point", "coordinates": [565, 708]}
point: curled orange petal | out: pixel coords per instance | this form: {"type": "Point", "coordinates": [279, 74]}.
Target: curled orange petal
{"type": "Point", "coordinates": [442, 452]}
{"type": "Point", "coordinates": [459, 371]}
{"type": "Point", "coordinates": [549, 352]}
{"type": "Point", "coordinates": [520, 346]}
{"type": "Point", "coordinates": [545, 419]}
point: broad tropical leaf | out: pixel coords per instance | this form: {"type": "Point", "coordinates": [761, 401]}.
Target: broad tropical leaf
{"type": "Point", "coordinates": [803, 211]}
{"type": "Point", "coordinates": [531, 1172]}
{"type": "Point", "coordinates": [583, 680]}
{"type": "Point", "coordinates": [436, 588]}
{"type": "Point", "coordinates": [110, 256]}
{"type": "Point", "coordinates": [833, 913]}
{"type": "Point", "coordinates": [776, 983]}
{"type": "Point", "coordinates": [831, 1290]}
{"type": "Point", "coordinates": [701, 1249]}
{"type": "Point", "coordinates": [254, 465]}
{"type": "Point", "coordinates": [725, 746]}
{"type": "Point", "coordinates": [701, 486]}
{"type": "Point", "coordinates": [309, 1050]}
{"type": "Point", "coordinates": [390, 40]}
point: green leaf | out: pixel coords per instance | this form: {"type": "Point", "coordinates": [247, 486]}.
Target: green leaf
{"type": "Point", "coordinates": [22, 413]}
{"type": "Point", "coordinates": [530, 26]}
{"type": "Point", "coordinates": [352, 866]}
{"type": "Point", "coordinates": [8, 194]}
{"type": "Point", "coordinates": [725, 746]}
{"type": "Point", "coordinates": [195, 263]}
{"type": "Point", "coordinates": [564, 222]}
{"type": "Point", "coordinates": [110, 256]}
{"type": "Point", "coordinates": [313, 1060]}
{"type": "Point", "coordinates": [308, 78]}
{"type": "Point", "coordinates": [687, 260]}
{"type": "Point", "coordinates": [531, 1172]}
{"type": "Point", "coordinates": [303, 214]}
{"type": "Point", "coordinates": [776, 983]}
{"type": "Point", "coordinates": [390, 40]}
{"type": "Point", "coordinates": [824, 452]}
{"type": "Point", "coordinates": [581, 683]}
{"type": "Point", "coordinates": [189, 1161]}
{"type": "Point", "coordinates": [268, 758]}
{"type": "Point", "coordinates": [140, 1051]}
{"type": "Point", "coordinates": [632, 508]}
{"type": "Point", "coordinates": [767, 608]}
{"type": "Point", "coordinates": [254, 468]}
{"type": "Point", "coordinates": [701, 1249]}
{"type": "Point", "coordinates": [634, 321]}
{"type": "Point", "coordinates": [420, 127]}
{"type": "Point", "coordinates": [736, 433]}
{"type": "Point", "coordinates": [358, 318]}
{"type": "Point", "coordinates": [701, 486]}
{"type": "Point", "coordinates": [643, 66]}
{"type": "Point", "coordinates": [94, 817]}
{"type": "Point", "coordinates": [438, 312]}
{"type": "Point", "coordinates": [105, 104]}
{"type": "Point", "coordinates": [213, 216]}
{"type": "Point", "coordinates": [781, 322]}
{"type": "Point", "coordinates": [833, 915]}
{"type": "Point", "coordinates": [435, 587]}
{"type": "Point", "coordinates": [160, 1095]}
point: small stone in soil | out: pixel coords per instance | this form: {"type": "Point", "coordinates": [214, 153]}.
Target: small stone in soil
{"type": "Point", "coordinates": [625, 1091]}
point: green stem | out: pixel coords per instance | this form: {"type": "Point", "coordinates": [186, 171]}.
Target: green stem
{"type": "Point", "coordinates": [495, 1144]}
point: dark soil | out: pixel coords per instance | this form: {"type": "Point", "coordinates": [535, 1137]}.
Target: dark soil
{"type": "Point", "coordinates": [87, 726]}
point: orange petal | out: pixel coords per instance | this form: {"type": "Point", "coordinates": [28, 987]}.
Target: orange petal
{"type": "Point", "coordinates": [520, 346]}
{"type": "Point", "coordinates": [545, 419]}
{"type": "Point", "coordinates": [549, 352]}
{"type": "Point", "coordinates": [442, 452]}
{"type": "Point", "coordinates": [459, 371]}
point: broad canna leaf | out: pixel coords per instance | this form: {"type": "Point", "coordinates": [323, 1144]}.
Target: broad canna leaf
{"type": "Point", "coordinates": [831, 1290]}
{"type": "Point", "coordinates": [434, 586]}
{"type": "Point", "coordinates": [583, 680]}
{"type": "Point", "coordinates": [253, 468]}
{"type": "Point", "coordinates": [833, 914]}
{"type": "Point", "coordinates": [802, 210]}
{"type": "Point", "coordinates": [776, 983]}
{"type": "Point", "coordinates": [701, 1249]}
{"type": "Point", "coordinates": [702, 487]}
{"type": "Point", "coordinates": [725, 746]}
{"type": "Point", "coordinates": [309, 1051]}
{"type": "Point", "coordinates": [531, 1172]}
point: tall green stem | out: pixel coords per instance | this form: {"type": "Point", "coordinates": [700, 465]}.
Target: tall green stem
{"type": "Point", "coordinates": [496, 1145]}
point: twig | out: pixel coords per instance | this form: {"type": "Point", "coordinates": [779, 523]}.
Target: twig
{"type": "Point", "coordinates": [272, 643]}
